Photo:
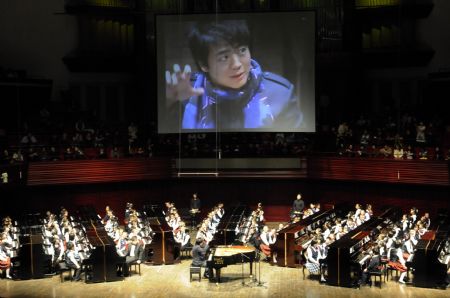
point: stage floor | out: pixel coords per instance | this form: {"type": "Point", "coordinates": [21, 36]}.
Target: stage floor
{"type": "Point", "coordinates": [173, 281]}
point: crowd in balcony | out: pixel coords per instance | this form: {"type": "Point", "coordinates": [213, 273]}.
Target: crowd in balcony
{"type": "Point", "coordinates": [48, 138]}
{"type": "Point", "coordinates": [408, 138]}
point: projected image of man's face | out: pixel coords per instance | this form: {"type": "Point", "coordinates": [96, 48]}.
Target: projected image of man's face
{"type": "Point", "coordinates": [228, 66]}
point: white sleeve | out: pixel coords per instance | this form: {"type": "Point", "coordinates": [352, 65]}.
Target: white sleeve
{"type": "Point", "coordinates": [61, 252]}
{"type": "Point", "coordinates": [264, 238]}
{"type": "Point", "coordinates": [273, 239]}
{"type": "Point", "coordinates": [186, 239]}
{"type": "Point", "coordinates": [72, 258]}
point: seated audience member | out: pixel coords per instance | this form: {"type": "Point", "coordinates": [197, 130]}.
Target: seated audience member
{"type": "Point", "coordinates": [115, 153]}
{"type": "Point", "coordinates": [69, 154]}
{"type": "Point", "coordinates": [423, 154]}
{"type": "Point", "coordinates": [398, 152]}
{"type": "Point", "coordinates": [386, 151]}
{"type": "Point", "coordinates": [409, 153]}
{"type": "Point", "coordinates": [102, 153]}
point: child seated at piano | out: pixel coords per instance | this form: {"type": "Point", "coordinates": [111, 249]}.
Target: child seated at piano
{"type": "Point", "coordinates": [183, 238]}
{"type": "Point", "coordinates": [58, 249]}
{"type": "Point", "coordinates": [5, 261]}
{"type": "Point", "coordinates": [357, 211]}
{"type": "Point", "coordinates": [134, 252]}
{"type": "Point", "coordinates": [73, 261]}
{"type": "Point", "coordinates": [204, 233]}
{"type": "Point", "coordinates": [396, 259]}
{"type": "Point", "coordinates": [313, 256]}
{"type": "Point", "coordinates": [267, 238]}
{"type": "Point", "coordinates": [373, 266]}
{"type": "Point", "coordinates": [122, 244]}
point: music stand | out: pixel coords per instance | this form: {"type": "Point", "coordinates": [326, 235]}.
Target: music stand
{"type": "Point", "coordinates": [242, 267]}
{"type": "Point", "coordinates": [258, 255]}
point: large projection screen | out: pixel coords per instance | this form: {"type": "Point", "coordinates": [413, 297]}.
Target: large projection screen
{"type": "Point", "coordinates": [265, 85]}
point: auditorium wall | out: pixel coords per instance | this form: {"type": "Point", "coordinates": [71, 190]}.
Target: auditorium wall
{"type": "Point", "coordinates": [275, 194]}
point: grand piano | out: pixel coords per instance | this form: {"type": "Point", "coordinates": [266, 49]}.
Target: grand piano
{"type": "Point", "coordinates": [228, 227]}
{"type": "Point", "coordinates": [103, 259]}
{"type": "Point", "coordinates": [346, 254]}
{"type": "Point", "coordinates": [292, 239]}
{"type": "Point", "coordinates": [430, 259]}
{"type": "Point", "coordinates": [223, 252]}
{"type": "Point", "coordinates": [224, 255]}
{"type": "Point", "coordinates": [164, 247]}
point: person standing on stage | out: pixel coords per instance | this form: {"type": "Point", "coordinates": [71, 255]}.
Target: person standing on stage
{"type": "Point", "coordinates": [199, 256]}
{"type": "Point", "coordinates": [195, 204]}
{"type": "Point", "coordinates": [297, 207]}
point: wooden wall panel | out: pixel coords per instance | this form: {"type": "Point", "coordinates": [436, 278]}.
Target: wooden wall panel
{"type": "Point", "coordinates": [98, 171]}
{"type": "Point", "coordinates": [421, 172]}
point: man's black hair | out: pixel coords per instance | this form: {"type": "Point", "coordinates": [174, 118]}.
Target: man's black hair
{"type": "Point", "coordinates": [204, 35]}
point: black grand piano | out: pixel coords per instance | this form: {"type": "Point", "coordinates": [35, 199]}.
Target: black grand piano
{"type": "Point", "coordinates": [430, 259]}
{"type": "Point", "coordinates": [344, 255]}
{"type": "Point", "coordinates": [224, 255]}
{"type": "Point", "coordinates": [103, 259]}
{"type": "Point", "coordinates": [223, 252]}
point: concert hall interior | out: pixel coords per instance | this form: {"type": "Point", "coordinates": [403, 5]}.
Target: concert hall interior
{"type": "Point", "coordinates": [254, 148]}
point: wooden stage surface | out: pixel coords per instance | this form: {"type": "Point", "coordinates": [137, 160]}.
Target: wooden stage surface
{"type": "Point", "coordinates": [173, 281]}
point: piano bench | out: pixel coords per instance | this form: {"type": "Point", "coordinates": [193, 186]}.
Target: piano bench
{"type": "Point", "coordinates": [137, 267]}
{"type": "Point", "coordinates": [310, 275]}
{"type": "Point", "coordinates": [389, 272]}
{"type": "Point", "coordinates": [195, 270]}
{"type": "Point", "coordinates": [63, 268]}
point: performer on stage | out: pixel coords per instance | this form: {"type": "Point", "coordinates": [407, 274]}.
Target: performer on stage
{"type": "Point", "coordinates": [134, 252]}
{"type": "Point", "coordinates": [297, 207]}
{"type": "Point", "coordinates": [73, 260]}
{"type": "Point", "coordinates": [313, 256]}
{"type": "Point", "coordinates": [5, 261]}
{"type": "Point", "coordinates": [195, 204]}
{"type": "Point", "coordinates": [396, 260]}
{"type": "Point", "coordinates": [199, 256]}
{"type": "Point", "coordinates": [267, 238]}
{"type": "Point", "coordinates": [374, 265]}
